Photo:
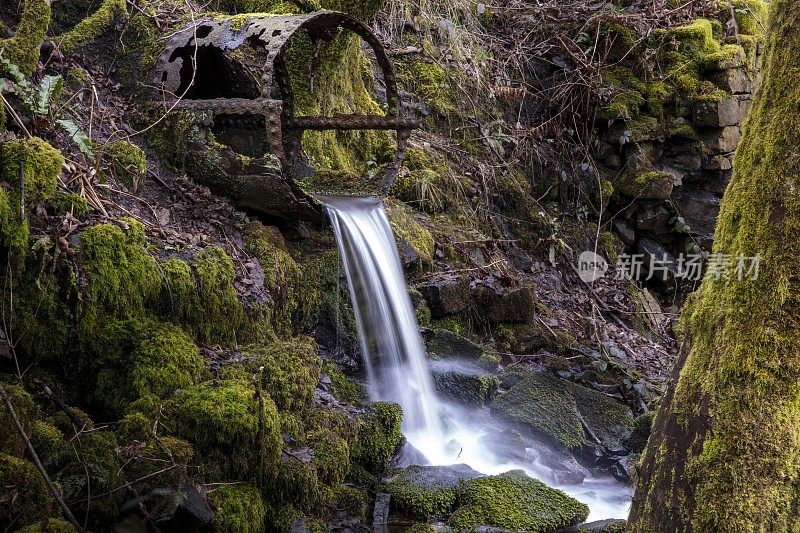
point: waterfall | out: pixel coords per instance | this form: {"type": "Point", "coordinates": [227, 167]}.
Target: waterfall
{"type": "Point", "coordinates": [397, 366]}
{"type": "Point", "coordinates": [394, 355]}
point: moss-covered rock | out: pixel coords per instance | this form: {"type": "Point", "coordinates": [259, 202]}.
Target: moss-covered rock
{"type": "Point", "coordinates": [238, 508]}
{"type": "Point", "coordinates": [281, 273]}
{"type": "Point", "coordinates": [345, 389]}
{"type": "Point", "coordinates": [86, 468]}
{"type": "Point", "coordinates": [426, 492]}
{"type": "Point", "coordinates": [23, 495]}
{"type": "Point", "coordinates": [554, 408]}
{"type": "Point", "coordinates": [46, 439]}
{"type": "Point", "coordinates": [139, 358]}
{"type": "Point", "coordinates": [231, 417]}
{"type": "Point", "coordinates": [52, 525]}
{"type": "Point", "coordinates": [122, 276]}
{"type": "Point", "coordinates": [516, 502]}
{"type": "Point", "coordinates": [379, 437]}
{"type": "Point", "coordinates": [646, 185]}
{"type": "Point", "coordinates": [290, 370]}
{"type": "Point", "coordinates": [40, 164]}
{"type": "Point", "coordinates": [92, 26]}
{"type": "Point", "coordinates": [414, 241]}
{"type": "Point", "coordinates": [22, 50]}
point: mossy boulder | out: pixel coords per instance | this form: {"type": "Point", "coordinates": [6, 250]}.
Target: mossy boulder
{"type": "Point", "coordinates": [426, 492]}
{"type": "Point", "coordinates": [414, 241]}
{"type": "Point", "coordinates": [233, 419]}
{"type": "Point", "coordinates": [123, 278]}
{"type": "Point", "coordinates": [200, 296]}
{"type": "Point", "coordinates": [516, 502]}
{"type": "Point", "coordinates": [464, 382]}
{"type": "Point", "coordinates": [23, 495]}
{"type": "Point", "coordinates": [553, 408]}
{"type": "Point", "coordinates": [238, 508]}
{"type": "Point", "coordinates": [646, 185]}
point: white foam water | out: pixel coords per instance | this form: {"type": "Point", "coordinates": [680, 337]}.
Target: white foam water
{"type": "Point", "coordinates": [397, 365]}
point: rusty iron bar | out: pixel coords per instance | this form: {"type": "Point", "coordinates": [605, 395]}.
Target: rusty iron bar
{"type": "Point", "coordinates": [350, 122]}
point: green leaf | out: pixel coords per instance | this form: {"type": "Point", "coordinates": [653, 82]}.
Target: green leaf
{"type": "Point", "coordinates": [77, 135]}
{"type": "Point", "coordinates": [48, 89]}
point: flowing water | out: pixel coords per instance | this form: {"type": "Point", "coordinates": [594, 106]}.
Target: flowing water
{"type": "Point", "coordinates": [397, 366]}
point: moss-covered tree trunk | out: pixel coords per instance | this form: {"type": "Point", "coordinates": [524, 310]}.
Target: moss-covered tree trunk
{"type": "Point", "coordinates": [725, 450]}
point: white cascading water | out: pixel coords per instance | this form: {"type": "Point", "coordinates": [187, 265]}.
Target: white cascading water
{"type": "Point", "coordinates": [397, 365]}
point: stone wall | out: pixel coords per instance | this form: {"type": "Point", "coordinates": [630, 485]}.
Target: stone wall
{"type": "Point", "coordinates": [669, 172]}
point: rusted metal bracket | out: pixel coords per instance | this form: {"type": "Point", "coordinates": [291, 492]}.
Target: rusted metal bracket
{"type": "Point", "coordinates": [260, 94]}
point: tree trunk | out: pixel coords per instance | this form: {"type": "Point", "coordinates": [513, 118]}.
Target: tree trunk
{"type": "Point", "coordinates": [725, 450]}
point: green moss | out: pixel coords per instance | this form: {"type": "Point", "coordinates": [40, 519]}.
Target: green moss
{"type": "Point", "coordinates": [27, 411]}
{"type": "Point", "coordinates": [86, 468]}
{"type": "Point", "coordinates": [231, 417]}
{"type": "Point", "coordinates": [40, 164]}
{"type": "Point", "coordinates": [53, 525]}
{"type": "Point", "coordinates": [214, 273]}
{"type": "Point", "coordinates": [23, 491]}
{"type": "Point", "coordinates": [423, 183]}
{"type": "Point", "coordinates": [139, 358]}
{"type": "Point", "coordinates": [331, 456]}
{"type": "Point", "coordinates": [516, 502]}
{"type": "Point", "coordinates": [379, 437]}
{"type": "Point", "coordinates": [128, 163]}
{"type": "Point", "coordinates": [70, 203]}
{"type": "Point", "coordinates": [421, 528]}
{"type": "Point", "coordinates": [751, 15]}
{"type": "Point", "coordinates": [122, 277]}
{"type": "Point", "coordinates": [47, 440]}
{"type": "Point", "coordinates": [428, 80]}
{"type": "Point", "coordinates": [341, 84]}
{"type": "Point", "coordinates": [415, 242]}
{"type": "Point", "coordinates": [345, 389]}
{"type": "Point", "coordinates": [647, 184]}
{"type": "Point", "coordinates": [92, 26]}
{"type": "Point", "coordinates": [543, 403]}
{"type": "Point", "coordinates": [290, 370]}
{"type": "Point", "coordinates": [22, 50]}
{"type": "Point", "coordinates": [696, 37]}
{"type": "Point", "coordinates": [281, 273]}
{"type": "Point", "coordinates": [238, 509]}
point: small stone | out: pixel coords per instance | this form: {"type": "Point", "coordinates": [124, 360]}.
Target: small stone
{"type": "Point", "coordinates": [625, 232]}
{"type": "Point", "coordinates": [652, 218]}
{"type": "Point", "coordinates": [721, 140]}
{"type": "Point", "coordinates": [734, 81]}
{"type": "Point", "coordinates": [719, 162]}
{"type": "Point", "coordinates": [726, 112]}
{"type": "Point", "coordinates": [446, 297]}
